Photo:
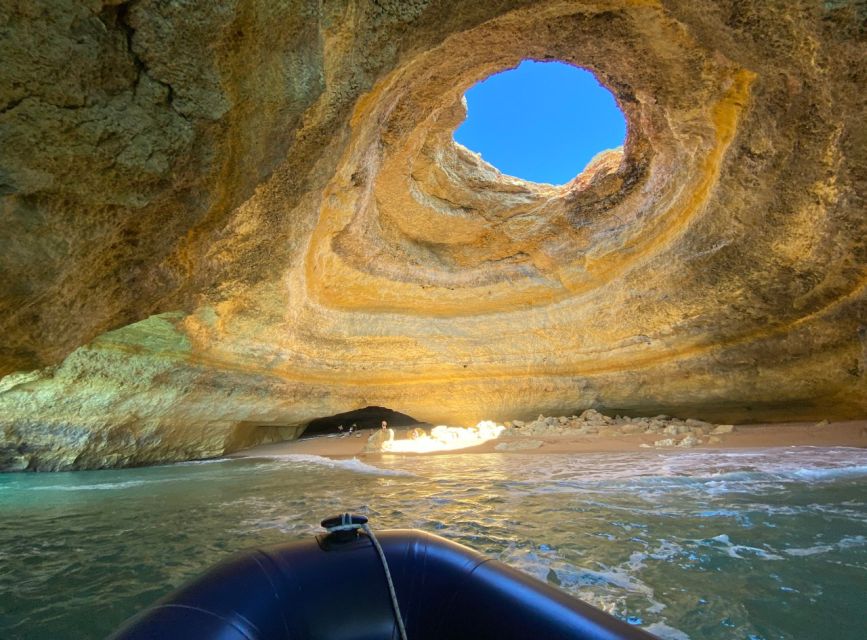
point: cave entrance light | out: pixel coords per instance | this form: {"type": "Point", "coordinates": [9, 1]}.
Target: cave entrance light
{"type": "Point", "coordinates": [542, 121]}
{"type": "Point", "coordinates": [366, 418]}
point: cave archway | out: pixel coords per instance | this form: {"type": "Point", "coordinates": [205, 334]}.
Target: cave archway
{"type": "Point", "coordinates": [366, 418]}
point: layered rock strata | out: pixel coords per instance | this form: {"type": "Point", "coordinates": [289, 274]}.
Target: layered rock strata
{"type": "Point", "coordinates": [222, 221]}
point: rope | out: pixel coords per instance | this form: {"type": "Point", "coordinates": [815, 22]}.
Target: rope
{"type": "Point", "coordinates": [346, 524]}
{"type": "Point", "coordinates": [391, 591]}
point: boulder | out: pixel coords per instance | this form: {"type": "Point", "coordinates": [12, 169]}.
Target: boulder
{"type": "Point", "coordinates": [722, 429]}
{"type": "Point", "coordinates": [676, 429]}
{"type": "Point", "coordinates": [591, 415]}
{"type": "Point", "coordinates": [667, 442]}
{"type": "Point", "coordinates": [689, 441]}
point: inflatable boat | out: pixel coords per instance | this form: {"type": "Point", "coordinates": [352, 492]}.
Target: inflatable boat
{"type": "Point", "coordinates": [352, 584]}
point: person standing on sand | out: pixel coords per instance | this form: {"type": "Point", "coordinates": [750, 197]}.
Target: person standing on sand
{"type": "Point", "coordinates": [388, 433]}
{"type": "Point", "coordinates": [378, 438]}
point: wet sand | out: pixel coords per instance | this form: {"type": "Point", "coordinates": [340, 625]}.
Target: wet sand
{"type": "Point", "coordinates": [848, 434]}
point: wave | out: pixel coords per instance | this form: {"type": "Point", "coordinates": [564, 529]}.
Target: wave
{"type": "Point", "coordinates": [707, 472]}
{"type": "Point", "coordinates": [744, 552]}
{"type": "Point", "coordinates": [605, 586]}
{"type": "Point", "coordinates": [740, 551]}
{"type": "Point", "coordinates": [187, 463]}
{"type": "Point", "coordinates": [847, 542]}
{"type": "Point", "coordinates": [832, 473]}
{"type": "Point", "coordinates": [353, 464]}
{"type": "Point", "coordinates": [100, 486]}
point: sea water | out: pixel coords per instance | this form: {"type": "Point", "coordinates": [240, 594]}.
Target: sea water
{"type": "Point", "coordinates": [705, 545]}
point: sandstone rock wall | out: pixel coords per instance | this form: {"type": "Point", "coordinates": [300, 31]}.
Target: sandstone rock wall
{"type": "Point", "coordinates": [224, 218]}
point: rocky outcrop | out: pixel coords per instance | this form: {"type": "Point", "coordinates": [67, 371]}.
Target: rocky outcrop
{"type": "Point", "coordinates": [680, 433]}
{"type": "Point", "coordinates": [224, 220]}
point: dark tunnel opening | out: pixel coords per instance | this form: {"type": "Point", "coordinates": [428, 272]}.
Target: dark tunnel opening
{"type": "Point", "coordinates": [367, 418]}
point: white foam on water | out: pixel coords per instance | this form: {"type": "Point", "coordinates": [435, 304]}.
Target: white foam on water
{"type": "Point", "coordinates": [197, 462]}
{"type": "Point", "coordinates": [605, 587]}
{"type": "Point", "coordinates": [353, 464]}
{"type": "Point", "coordinates": [735, 550]}
{"type": "Point", "coordinates": [571, 576]}
{"type": "Point", "coordinates": [100, 486]}
{"type": "Point", "coordinates": [665, 632]}
{"type": "Point", "coordinates": [272, 516]}
{"type": "Point", "coordinates": [809, 551]}
{"type": "Point", "coordinates": [833, 510]}
{"type": "Point", "coordinates": [831, 473]}
{"type": "Point", "coordinates": [667, 550]}
{"type": "Point", "coordinates": [847, 542]}
{"type": "Point", "coordinates": [713, 473]}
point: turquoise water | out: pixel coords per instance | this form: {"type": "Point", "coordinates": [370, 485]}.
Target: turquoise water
{"type": "Point", "coordinates": [759, 544]}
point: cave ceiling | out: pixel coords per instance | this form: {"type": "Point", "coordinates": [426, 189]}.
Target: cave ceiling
{"type": "Point", "coordinates": [244, 213]}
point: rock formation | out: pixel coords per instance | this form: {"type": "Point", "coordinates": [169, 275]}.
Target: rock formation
{"type": "Point", "coordinates": [223, 220]}
{"type": "Point", "coordinates": [681, 433]}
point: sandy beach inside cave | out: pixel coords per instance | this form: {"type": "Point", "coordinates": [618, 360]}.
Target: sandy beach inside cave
{"type": "Point", "coordinates": [848, 434]}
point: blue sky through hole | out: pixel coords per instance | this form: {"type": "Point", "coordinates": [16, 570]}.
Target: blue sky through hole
{"type": "Point", "coordinates": [543, 121]}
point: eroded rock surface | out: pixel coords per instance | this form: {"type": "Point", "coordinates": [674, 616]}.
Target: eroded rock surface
{"type": "Point", "coordinates": [222, 220]}
{"type": "Point", "coordinates": [682, 433]}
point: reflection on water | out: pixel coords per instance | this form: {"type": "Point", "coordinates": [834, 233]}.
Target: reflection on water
{"type": "Point", "coordinates": [760, 544]}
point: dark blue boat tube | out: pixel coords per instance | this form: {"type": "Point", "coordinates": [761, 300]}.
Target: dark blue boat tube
{"type": "Point", "coordinates": [334, 588]}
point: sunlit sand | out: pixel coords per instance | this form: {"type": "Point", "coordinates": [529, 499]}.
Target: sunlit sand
{"type": "Point", "coordinates": [443, 438]}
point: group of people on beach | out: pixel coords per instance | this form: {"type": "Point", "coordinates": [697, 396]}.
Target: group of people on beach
{"type": "Point", "coordinates": [354, 427]}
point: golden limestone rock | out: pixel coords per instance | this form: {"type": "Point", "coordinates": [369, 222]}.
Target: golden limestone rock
{"type": "Point", "coordinates": [222, 220]}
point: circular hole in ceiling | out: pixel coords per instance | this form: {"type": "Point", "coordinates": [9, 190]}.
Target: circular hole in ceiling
{"type": "Point", "coordinates": [542, 121]}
